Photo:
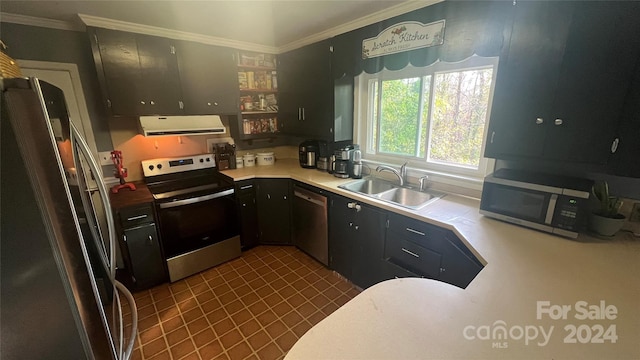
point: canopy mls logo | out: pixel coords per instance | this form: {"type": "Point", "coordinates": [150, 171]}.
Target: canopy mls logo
{"type": "Point", "coordinates": [404, 36]}
{"type": "Point", "coordinates": [597, 328]}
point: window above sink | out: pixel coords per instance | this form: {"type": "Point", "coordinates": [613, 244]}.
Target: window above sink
{"type": "Point", "coordinates": [436, 117]}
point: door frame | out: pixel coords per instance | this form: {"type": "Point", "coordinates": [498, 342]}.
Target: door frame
{"type": "Point", "coordinates": [74, 74]}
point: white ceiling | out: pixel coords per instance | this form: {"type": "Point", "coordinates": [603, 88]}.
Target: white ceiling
{"type": "Point", "coordinates": [264, 22]}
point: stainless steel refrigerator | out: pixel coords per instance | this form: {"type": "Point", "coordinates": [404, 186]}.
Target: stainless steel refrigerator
{"type": "Point", "coordinates": [59, 298]}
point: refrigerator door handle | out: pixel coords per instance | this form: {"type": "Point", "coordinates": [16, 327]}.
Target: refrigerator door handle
{"type": "Point", "coordinates": [125, 352]}
{"type": "Point", "coordinates": [76, 138]}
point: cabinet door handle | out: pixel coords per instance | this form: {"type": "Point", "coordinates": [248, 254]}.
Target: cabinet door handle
{"type": "Point", "coordinates": [246, 187]}
{"type": "Point", "coordinates": [493, 134]}
{"type": "Point", "coordinates": [539, 121]}
{"type": "Point", "coordinates": [269, 196]}
{"type": "Point", "coordinates": [137, 217]}
{"type": "Point", "coordinates": [150, 240]}
{"type": "Point", "coordinates": [303, 117]}
{"type": "Point", "coordinates": [558, 122]}
{"type": "Point", "coordinates": [415, 231]}
{"type": "Point", "coordinates": [299, 113]}
{"type": "Point", "coordinates": [614, 145]}
{"type": "Point", "coordinates": [354, 205]}
{"type": "Point", "coordinates": [124, 237]}
{"type": "Point", "coordinates": [410, 253]}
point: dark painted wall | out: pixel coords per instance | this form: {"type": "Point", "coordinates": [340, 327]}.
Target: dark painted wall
{"type": "Point", "coordinates": [43, 44]}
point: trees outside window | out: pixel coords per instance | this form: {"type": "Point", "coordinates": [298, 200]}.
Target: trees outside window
{"type": "Point", "coordinates": [436, 115]}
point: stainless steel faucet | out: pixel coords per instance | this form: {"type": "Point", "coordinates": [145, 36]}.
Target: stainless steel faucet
{"type": "Point", "coordinates": [424, 183]}
{"type": "Point", "coordinates": [402, 174]}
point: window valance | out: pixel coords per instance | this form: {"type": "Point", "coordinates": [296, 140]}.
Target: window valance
{"type": "Point", "coordinates": [472, 27]}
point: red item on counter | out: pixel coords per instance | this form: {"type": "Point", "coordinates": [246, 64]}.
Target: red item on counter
{"type": "Point", "coordinates": [120, 172]}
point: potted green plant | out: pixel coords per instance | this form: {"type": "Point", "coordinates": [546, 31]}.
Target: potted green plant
{"type": "Point", "coordinates": [606, 220]}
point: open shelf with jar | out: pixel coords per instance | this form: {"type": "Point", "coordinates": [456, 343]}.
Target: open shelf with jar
{"type": "Point", "coordinates": [258, 82]}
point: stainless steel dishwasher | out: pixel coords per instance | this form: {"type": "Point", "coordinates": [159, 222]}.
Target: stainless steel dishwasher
{"type": "Point", "coordinates": [310, 230]}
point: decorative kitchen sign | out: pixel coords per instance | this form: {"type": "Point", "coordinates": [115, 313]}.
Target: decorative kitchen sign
{"type": "Point", "coordinates": [404, 36]}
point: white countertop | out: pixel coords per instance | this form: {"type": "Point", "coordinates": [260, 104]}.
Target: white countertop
{"type": "Point", "coordinates": [427, 319]}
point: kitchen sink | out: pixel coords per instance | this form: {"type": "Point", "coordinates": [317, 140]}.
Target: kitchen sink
{"type": "Point", "coordinates": [409, 198]}
{"type": "Point", "coordinates": [368, 186]}
{"type": "Point", "coordinates": [391, 193]}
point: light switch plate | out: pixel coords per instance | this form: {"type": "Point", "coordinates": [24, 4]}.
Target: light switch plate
{"type": "Point", "coordinates": [105, 158]}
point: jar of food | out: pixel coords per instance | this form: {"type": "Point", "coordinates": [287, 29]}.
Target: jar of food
{"type": "Point", "coordinates": [249, 160]}
{"type": "Point", "coordinates": [265, 158]}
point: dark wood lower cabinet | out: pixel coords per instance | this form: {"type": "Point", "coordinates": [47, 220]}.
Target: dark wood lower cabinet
{"type": "Point", "coordinates": [428, 251]}
{"type": "Point", "coordinates": [367, 245]}
{"type": "Point", "coordinates": [247, 213]}
{"type": "Point", "coordinates": [140, 246]}
{"type": "Point", "coordinates": [273, 201]}
{"type": "Point", "coordinates": [356, 240]}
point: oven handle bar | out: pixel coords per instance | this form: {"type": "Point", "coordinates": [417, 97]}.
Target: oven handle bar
{"type": "Point", "coordinates": [196, 199]}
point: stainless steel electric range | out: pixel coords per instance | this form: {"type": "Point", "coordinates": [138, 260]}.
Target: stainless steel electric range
{"type": "Point", "coordinates": [196, 211]}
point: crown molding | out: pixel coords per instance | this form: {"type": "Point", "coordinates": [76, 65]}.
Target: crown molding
{"type": "Point", "coordinates": [39, 22]}
{"type": "Point", "coordinates": [378, 16]}
{"type": "Point", "coordinates": [90, 20]}
{"type": "Point", "coordinates": [100, 22]}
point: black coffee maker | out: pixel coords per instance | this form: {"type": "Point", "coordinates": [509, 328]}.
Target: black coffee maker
{"type": "Point", "coordinates": [308, 153]}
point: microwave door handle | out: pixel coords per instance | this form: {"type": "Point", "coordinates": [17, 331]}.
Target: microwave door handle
{"type": "Point", "coordinates": [551, 209]}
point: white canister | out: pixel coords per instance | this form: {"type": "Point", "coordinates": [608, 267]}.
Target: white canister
{"type": "Point", "coordinates": [266, 158]}
{"type": "Point", "coordinates": [239, 162]}
{"type": "Point", "coordinates": [249, 160]}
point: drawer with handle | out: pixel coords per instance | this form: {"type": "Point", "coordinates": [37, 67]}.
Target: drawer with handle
{"type": "Point", "coordinates": [244, 187]}
{"type": "Point", "coordinates": [134, 216]}
{"type": "Point", "coordinates": [426, 235]}
{"type": "Point", "coordinates": [411, 256]}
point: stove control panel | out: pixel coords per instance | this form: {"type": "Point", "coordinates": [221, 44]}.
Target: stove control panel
{"type": "Point", "coordinates": [165, 166]}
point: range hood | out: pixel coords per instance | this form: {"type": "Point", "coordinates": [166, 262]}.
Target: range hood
{"type": "Point", "coordinates": [181, 125]}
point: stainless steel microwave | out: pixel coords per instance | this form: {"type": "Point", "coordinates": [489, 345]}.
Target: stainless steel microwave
{"type": "Point", "coordinates": [550, 203]}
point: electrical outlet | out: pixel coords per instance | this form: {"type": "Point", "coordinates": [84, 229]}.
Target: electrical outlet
{"type": "Point", "coordinates": [105, 158]}
{"type": "Point", "coordinates": [635, 213]}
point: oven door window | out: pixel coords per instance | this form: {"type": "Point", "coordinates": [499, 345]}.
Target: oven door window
{"type": "Point", "coordinates": [519, 203]}
{"type": "Point", "coordinates": [192, 226]}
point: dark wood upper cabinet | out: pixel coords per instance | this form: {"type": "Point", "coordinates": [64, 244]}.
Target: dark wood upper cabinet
{"type": "Point", "coordinates": [160, 81]}
{"type": "Point", "coordinates": [208, 79]}
{"type": "Point", "coordinates": [306, 91]}
{"type": "Point", "coordinates": [562, 81]}
{"type": "Point", "coordinates": [150, 75]}
{"type": "Point", "coordinates": [139, 73]}
{"type": "Point", "coordinates": [526, 80]}
{"type": "Point", "coordinates": [118, 67]}
{"type": "Point", "coordinates": [625, 160]}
